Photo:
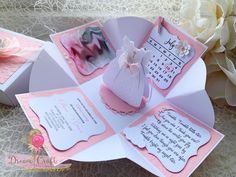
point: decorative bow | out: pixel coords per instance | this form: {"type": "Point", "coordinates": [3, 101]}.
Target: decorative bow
{"type": "Point", "coordinates": [132, 58]}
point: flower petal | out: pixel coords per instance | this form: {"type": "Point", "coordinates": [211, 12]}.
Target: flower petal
{"type": "Point", "coordinates": [188, 8]}
{"type": "Point", "coordinates": [11, 47]}
{"type": "Point", "coordinates": [231, 7]}
{"type": "Point", "coordinates": [218, 48]}
{"type": "Point", "coordinates": [225, 35]}
{"type": "Point", "coordinates": [230, 65]}
{"type": "Point", "coordinates": [228, 68]}
{"type": "Point", "coordinates": [231, 22]}
{"type": "Point", "coordinates": [199, 18]}
{"type": "Point", "coordinates": [224, 7]}
{"type": "Point", "coordinates": [230, 93]}
{"type": "Point", "coordinates": [233, 12]}
{"type": "Point", "coordinates": [216, 85]}
{"type": "Point", "coordinates": [208, 37]}
{"type": "Point", "coordinates": [211, 63]}
{"type": "Point", "coordinates": [216, 34]}
{"type": "Point", "coordinates": [190, 28]}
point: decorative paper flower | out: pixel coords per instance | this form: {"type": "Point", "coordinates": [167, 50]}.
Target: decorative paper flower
{"type": "Point", "coordinates": [182, 48]}
{"type": "Point", "coordinates": [213, 22]}
{"type": "Point", "coordinates": [9, 47]}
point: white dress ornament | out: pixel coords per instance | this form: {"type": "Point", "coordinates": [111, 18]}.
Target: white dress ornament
{"type": "Point", "coordinates": [126, 77]}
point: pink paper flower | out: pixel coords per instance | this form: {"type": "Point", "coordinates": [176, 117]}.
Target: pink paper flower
{"type": "Point", "coordinates": [9, 47]}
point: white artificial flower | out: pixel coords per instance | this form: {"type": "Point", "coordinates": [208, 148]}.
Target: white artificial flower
{"type": "Point", "coordinates": [213, 22]}
{"type": "Point", "coordinates": [182, 48]}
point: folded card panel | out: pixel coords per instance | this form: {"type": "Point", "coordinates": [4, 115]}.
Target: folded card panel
{"type": "Point", "coordinates": [170, 135]}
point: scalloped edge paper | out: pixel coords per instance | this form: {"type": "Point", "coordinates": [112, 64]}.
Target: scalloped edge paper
{"type": "Point", "coordinates": [67, 115]}
{"type": "Point", "coordinates": [170, 137]}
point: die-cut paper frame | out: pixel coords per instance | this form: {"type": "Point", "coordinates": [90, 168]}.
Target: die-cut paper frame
{"type": "Point", "coordinates": [56, 40]}
{"type": "Point", "coordinates": [198, 47]}
{"type": "Point", "coordinates": [194, 160]}
{"type": "Point", "coordinates": [61, 156]}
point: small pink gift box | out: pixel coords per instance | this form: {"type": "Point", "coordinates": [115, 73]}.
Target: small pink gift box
{"type": "Point", "coordinates": [17, 54]}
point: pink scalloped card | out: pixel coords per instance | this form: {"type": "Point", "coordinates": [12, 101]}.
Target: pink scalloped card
{"type": "Point", "coordinates": [117, 105]}
{"type": "Point", "coordinates": [173, 141]}
{"type": "Point", "coordinates": [67, 119]}
{"type": "Point", "coordinates": [15, 50]}
{"type": "Point", "coordinates": [173, 52]}
{"type": "Point", "coordinates": [86, 50]}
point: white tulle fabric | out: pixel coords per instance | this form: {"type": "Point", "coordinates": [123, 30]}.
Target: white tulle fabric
{"type": "Point", "coordinates": [42, 17]}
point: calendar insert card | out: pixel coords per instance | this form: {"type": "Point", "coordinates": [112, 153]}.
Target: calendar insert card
{"type": "Point", "coordinates": [172, 54]}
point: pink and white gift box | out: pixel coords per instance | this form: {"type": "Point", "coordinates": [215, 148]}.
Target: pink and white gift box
{"type": "Point", "coordinates": [53, 73]}
{"type": "Point", "coordinates": [17, 55]}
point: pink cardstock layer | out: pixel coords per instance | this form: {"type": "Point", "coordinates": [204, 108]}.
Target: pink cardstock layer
{"type": "Point", "coordinates": [117, 105]}
{"type": "Point", "coordinates": [56, 40]}
{"type": "Point", "coordinates": [61, 156]}
{"type": "Point", "coordinates": [9, 65]}
{"type": "Point", "coordinates": [198, 47]}
{"type": "Point", "coordinates": [194, 161]}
